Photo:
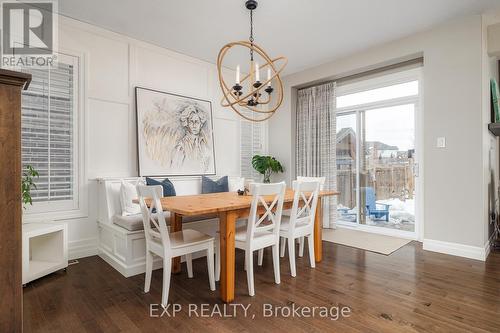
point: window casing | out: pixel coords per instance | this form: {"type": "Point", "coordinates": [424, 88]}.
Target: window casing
{"type": "Point", "coordinates": [50, 134]}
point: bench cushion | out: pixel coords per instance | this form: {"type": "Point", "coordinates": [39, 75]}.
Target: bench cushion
{"type": "Point", "coordinates": [130, 222]}
{"type": "Point", "coordinates": [134, 222]}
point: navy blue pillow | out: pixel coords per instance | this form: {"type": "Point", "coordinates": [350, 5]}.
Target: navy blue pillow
{"type": "Point", "coordinates": [214, 186]}
{"type": "Point", "coordinates": [168, 187]}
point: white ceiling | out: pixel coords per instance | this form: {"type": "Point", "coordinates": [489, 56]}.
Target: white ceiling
{"type": "Point", "coordinates": [308, 32]}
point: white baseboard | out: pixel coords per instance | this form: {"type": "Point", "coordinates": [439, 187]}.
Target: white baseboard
{"type": "Point", "coordinates": [456, 249]}
{"type": "Point", "coordinates": [82, 248]}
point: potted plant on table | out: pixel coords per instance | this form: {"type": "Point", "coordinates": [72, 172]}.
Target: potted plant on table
{"type": "Point", "coordinates": [266, 165]}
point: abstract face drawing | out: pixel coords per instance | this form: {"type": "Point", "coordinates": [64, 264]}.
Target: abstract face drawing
{"type": "Point", "coordinates": [176, 133]}
{"type": "Point", "coordinates": [192, 119]}
{"type": "Point", "coordinates": [193, 144]}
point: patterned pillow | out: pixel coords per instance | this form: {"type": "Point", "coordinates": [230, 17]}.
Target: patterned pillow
{"type": "Point", "coordinates": [214, 186]}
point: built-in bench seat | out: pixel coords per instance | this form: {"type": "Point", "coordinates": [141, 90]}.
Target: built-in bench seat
{"type": "Point", "coordinates": [121, 238]}
{"type": "Point", "coordinates": [134, 222]}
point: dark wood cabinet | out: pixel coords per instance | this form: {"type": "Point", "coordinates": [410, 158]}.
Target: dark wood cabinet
{"type": "Point", "coordinates": [11, 307]}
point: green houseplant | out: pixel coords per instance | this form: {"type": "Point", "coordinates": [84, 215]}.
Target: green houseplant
{"type": "Point", "coordinates": [27, 184]}
{"type": "Point", "coordinates": [266, 165]}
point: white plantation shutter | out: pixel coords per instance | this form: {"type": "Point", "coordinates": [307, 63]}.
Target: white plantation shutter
{"type": "Point", "coordinates": [252, 143]}
{"type": "Point", "coordinates": [48, 123]}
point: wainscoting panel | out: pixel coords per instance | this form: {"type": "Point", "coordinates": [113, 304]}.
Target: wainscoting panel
{"type": "Point", "coordinates": [108, 151]}
{"type": "Point", "coordinates": [156, 69]}
{"type": "Point", "coordinates": [108, 60]}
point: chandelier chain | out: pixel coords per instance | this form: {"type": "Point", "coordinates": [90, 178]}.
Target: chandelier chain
{"type": "Point", "coordinates": [251, 39]}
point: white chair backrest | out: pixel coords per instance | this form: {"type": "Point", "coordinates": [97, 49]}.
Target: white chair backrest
{"type": "Point", "coordinates": [321, 180]}
{"type": "Point", "coordinates": [305, 201]}
{"type": "Point", "coordinates": [153, 193]}
{"type": "Point", "coordinates": [270, 218]}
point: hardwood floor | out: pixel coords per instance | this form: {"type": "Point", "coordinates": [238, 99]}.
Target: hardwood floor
{"type": "Point", "coordinates": [408, 291]}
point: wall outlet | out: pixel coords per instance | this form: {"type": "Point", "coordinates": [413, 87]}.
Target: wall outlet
{"type": "Point", "coordinates": [441, 142]}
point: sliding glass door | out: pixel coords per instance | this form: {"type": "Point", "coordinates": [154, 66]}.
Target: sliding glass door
{"type": "Point", "coordinates": [377, 155]}
{"type": "Point", "coordinates": [347, 167]}
{"type": "Point", "coordinates": [387, 179]}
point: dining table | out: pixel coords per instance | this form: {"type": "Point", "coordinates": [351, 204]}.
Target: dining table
{"type": "Point", "coordinates": [229, 207]}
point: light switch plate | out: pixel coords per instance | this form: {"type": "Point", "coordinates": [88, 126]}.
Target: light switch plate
{"type": "Point", "coordinates": [441, 142]}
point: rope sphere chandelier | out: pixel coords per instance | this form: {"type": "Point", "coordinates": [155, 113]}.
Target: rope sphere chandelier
{"type": "Point", "coordinates": [249, 97]}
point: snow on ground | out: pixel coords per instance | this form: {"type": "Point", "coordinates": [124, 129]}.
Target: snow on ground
{"type": "Point", "coordinates": [400, 213]}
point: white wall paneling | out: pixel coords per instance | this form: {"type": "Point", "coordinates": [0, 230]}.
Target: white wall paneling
{"type": "Point", "coordinates": [109, 139]}
{"type": "Point", "coordinates": [112, 65]}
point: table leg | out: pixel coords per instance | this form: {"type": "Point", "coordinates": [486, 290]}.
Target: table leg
{"type": "Point", "coordinates": [318, 232]}
{"type": "Point", "coordinates": [176, 225]}
{"type": "Point", "coordinates": [227, 222]}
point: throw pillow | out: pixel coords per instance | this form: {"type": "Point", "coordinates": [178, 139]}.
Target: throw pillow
{"type": "Point", "coordinates": [168, 187]}
{"type": "Point", "coordinates": [236, 183]}
{"type": "Point", "coordinates": [214, 186]}
{"type": "Point", "coordinates": [128, 193]}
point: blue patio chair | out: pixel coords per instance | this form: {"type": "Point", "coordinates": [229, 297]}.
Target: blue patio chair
{"type": "Point", "coordinates": [377, 210]}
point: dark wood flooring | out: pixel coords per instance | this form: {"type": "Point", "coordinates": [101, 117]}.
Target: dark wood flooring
{"type": "Point", "coordinates": [409, 291]}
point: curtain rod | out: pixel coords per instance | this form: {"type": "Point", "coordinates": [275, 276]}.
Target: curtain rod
{"type": "Point", "coordinates": [406, 63]}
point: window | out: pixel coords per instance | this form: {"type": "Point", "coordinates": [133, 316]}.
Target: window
{"type": "Point", "coordinates": [252, 142]}
{"type": "Point", "coordinates": [49, 133]}
{"type": "Point", "coordinates": [376, 95]}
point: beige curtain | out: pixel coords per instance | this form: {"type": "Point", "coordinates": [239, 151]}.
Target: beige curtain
{"type": "Point", "coordinates": [316, 137]}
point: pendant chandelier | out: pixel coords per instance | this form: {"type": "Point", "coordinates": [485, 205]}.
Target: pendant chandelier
{"type": "Point", "coordinates": [248, 96]}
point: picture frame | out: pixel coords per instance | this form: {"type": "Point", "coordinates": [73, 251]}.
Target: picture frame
{"type": "Point", "coordinates": [175, 134]}
{"type": "Point", "coordinates": [495, 100]}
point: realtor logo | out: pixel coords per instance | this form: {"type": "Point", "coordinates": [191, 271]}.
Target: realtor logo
{"type": "Point", "coordinates": [28, 32]}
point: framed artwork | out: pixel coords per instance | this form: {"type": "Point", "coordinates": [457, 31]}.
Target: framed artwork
{"type": "Point", "coordinates": [174, 134]}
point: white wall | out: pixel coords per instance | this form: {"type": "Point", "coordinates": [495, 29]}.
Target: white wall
{"type": "Point", "coordinates": [491, 54]}
{"type": "Point", "coordinates": [112, 65]}
{"type": "Point", "coordinates": [453, 81]}
{"type": "Point", "coordinates": [493, 30]}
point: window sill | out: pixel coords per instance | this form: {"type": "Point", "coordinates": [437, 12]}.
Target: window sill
{"type": "Point", "coordinates": [54, 215]}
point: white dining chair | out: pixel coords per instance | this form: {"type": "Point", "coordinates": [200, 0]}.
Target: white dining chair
{"type": "Point", "coordinates": [300, 223]}
{"type": "Point", "coordinates": [261, 231]}
{"type": "Point", "coordinates": [170, 245]}
{"type": "Point", "coordinates": [321, 181]}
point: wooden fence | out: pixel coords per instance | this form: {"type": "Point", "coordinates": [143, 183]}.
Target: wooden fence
{"type": "Point", "coordinates": [389, 181]}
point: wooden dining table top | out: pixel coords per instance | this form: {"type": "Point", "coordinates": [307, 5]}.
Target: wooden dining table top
{"type": "Point", "coordinates": [200, 204]}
